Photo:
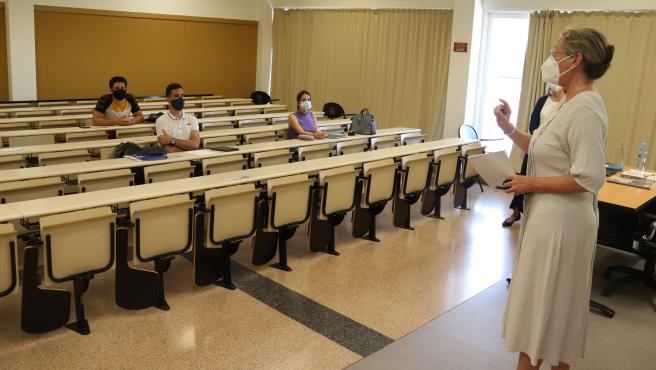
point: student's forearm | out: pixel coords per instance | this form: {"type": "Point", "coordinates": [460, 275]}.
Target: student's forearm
{"type": "Point", "coordinates": [137, 119]}
{"type": "Point", "coordinates": [187, 144]}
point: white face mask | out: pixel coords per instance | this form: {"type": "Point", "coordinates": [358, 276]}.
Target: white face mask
{"type": "Point", "coordinates": [305, 105]}
{"type": "Point", "coordinates": [550, 71]}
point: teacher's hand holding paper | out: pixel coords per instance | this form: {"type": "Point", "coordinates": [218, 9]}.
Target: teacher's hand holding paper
{"type": "Point", "coordinates": [519, 184]}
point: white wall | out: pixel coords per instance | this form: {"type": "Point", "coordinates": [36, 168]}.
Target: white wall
{"type": "Point", "coordinates": [460, 75]}
{"type": "Point", "coordinates": [20, 31]}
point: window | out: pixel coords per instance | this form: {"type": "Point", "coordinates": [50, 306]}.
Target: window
{"type": "Point", "coordinates": [502, 64]}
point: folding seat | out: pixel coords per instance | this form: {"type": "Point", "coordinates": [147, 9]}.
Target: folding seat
{"type": "Point", "coordinates": [216, 126]}
{"type": "Point", "coordinates": [163, 229]}
{"type": "Point", "coordinates": [261, 137]}
{"type": "Point", "coordinates": [271, 157]}
{"type": "Point", "coordinates": [58, 124]}
{"type": "Point", "coordinates": [382, 142]}
{"type": "Point", "coordinates": [16, 191]}
{"type": "Point", "coordinates": [104, 180]}
{"type": "Point", "coordinates": [443, 173]}
{"type": "Point", "coordinates": [351, 146]}
{"type": "Point", "coordinates": [306, 153]}
{"type": "Point", "coordinates": [336, 196]}
{"type": "Point", "coordinates": [77, 246]}
{"type": "Point", "coordinates": [12, 162]}
{"type": "Point", "coordinates": [467, 175]}
{"type": "Point", "coordinates": [214, 142]}
{"type": "Point", "coordinates": [168, 172]}
{"type": "Point", "coordinates": [253, 122]}
{"type": "Point", "coordinates": [68, 156]}
{"type": "Point", "coordinates": [412, 138]}
{"type": "Point", "coordinates": [36, 139]}
{"type": "Point", "coordinates": [232, 218]}
{"type": "Point", "coordinates": [85, 136]}
{"type": "Point", "coordinates": [377, 188]}
{"type": "Point", "coordinates": [287, 206]}
{"type": "Point", "coordinates": [413, 180]}
{"type": "Point", "coordinates": [135, 132]}
{"type": "Point", "coordinates": [229, 163]}
{"type": "Point", "coordinates": [8, 260]}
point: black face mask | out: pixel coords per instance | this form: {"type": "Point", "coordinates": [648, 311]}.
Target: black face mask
{"type": "Point", "coordinates": [119, 94]}
{"type": "Point", "coordinates": [178, 104]}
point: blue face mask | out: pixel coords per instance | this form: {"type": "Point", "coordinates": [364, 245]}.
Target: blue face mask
{"type": "Point", "coordinates": [178, 104]}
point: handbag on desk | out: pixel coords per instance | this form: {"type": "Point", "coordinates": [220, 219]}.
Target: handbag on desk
{"type": "Point", "coordinates": [363, 123]}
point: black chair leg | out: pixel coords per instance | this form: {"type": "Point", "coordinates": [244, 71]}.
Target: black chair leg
{"type": "Point", "coordinates": [602, 309]}
{"type": "Point", "coordinates": [227, 250]}
{"type": "Point", "coordinates": [333, 221]}
{"type": "Point", "coordinates": [80, 286]}
{"type": "Point", "coordinates": [645, 276]}
{"type": "Point", "coordinates": [162, 265]}
{"type": "Point", "coordinates": [284, 234]}
{"type": "Point", "coordinates": [438, 208]}
{"type": "Point", "coordinates": [460, 196]}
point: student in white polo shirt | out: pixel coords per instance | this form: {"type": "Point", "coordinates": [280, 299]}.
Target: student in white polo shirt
{"type": "Point", "coordinates": [177, 131]}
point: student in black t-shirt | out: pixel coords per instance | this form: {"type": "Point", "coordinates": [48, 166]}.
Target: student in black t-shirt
{"type": "Point", "coordinates": [115, 108]}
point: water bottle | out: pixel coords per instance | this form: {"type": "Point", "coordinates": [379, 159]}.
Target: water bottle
{"type": "Point", "coordinates": [641, 162]}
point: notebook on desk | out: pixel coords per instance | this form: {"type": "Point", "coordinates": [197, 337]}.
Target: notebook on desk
{"type": "Point", "coordinates": [638, 183]}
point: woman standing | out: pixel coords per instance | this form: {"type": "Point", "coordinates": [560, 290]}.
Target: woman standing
{"type": "Point", "coordinates": [543, 109]}
{"type": "Point", "coordinates": [547, 309]}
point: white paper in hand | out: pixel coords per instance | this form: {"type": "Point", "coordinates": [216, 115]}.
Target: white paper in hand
{"type": "Point", "coordinates": [493, 167]}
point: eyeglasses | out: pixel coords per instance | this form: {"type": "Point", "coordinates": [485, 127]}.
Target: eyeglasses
{"type": "Point", "coordinates": [552, 52]}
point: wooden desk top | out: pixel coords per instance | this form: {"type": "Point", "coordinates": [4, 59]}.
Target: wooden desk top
{"type": "Point", "coordinates": [73, 202]}
{"type": "Point", "coordinates": [203, 134]}
{"type": "Point", "coordinates": [71, 130]}
{"type": "Point", "coordinates": [82, 116]}
{"type": "Point", "coordinates": [8, 213]}
{"type": "Point", "coordinates": [205, 120]}
{"type": "Point", "coordinates": [226, 108]}
{"type": "Point", "coordinates": [625, 196]}
{"type": "Point", "coordinates": [119, 163]}
{"type": "Point", "coordinates": [58, 108]}
{"type": "Point", "coordinates": [93, 144]}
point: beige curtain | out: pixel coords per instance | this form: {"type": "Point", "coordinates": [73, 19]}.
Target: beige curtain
{"type": "Point", "coordinates": [395, 62]}
{"type": "Point", "coordinates": [628, 86]}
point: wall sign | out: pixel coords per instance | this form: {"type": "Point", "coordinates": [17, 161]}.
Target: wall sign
{"type": "Point", "coordinates": [460, 47]}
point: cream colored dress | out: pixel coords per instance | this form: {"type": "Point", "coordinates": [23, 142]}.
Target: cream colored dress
{"type": "Point", "coordinates": [547, 310]}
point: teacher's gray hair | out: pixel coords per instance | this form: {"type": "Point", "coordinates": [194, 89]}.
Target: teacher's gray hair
{"type": "Point", "coordinates": [592, 44]}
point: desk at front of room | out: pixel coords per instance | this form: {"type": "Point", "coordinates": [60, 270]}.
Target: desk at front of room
{"type": "Point", "coordinates": [619, 207]}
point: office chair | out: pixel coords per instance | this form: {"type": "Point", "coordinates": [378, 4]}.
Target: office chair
{"type": "Point", "coordinates": [333, 110]}
{"type": "Point", "coordinates": [646, 248]}
{"type": "Point", "coordinates": [469, 132]}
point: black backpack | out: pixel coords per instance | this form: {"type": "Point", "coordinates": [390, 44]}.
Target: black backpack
{"type": "Point", "coordinates": [126, 148]}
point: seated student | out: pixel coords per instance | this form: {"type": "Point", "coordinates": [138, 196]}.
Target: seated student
{"type": "Point", "coordinates": [177, 131]}
{"type": "Point", "coordinates": [115, 108]}
{"type": "Point", "coordinates": [303, 121]}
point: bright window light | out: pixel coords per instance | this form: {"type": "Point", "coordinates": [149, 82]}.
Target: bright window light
{"type": "Point", "coordinates": [502, 65]}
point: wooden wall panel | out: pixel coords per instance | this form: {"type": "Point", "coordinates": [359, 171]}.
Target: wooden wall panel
{"type": "Point", "coordinates": [77, 52]}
